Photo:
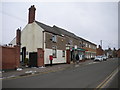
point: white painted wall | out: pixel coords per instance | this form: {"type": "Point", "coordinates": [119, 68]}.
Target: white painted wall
{"type": "Point", "coordinates": [31, 38]}
{"type": "Point", "coordinates": [59, 58]}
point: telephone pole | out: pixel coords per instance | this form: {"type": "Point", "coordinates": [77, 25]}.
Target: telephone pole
{"type": "Point", "coordinates": [101, 43]}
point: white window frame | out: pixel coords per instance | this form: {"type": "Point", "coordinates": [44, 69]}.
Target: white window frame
{"type": "Point", "coordinates": [54, 51]}
{"type": "Point", "coordinates": [54, 38]}
{"type": "Point", "coordinates": [63, 53]}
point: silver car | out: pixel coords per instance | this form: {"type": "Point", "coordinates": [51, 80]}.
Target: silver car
{"type": "Point", "coordinates": [98, 58]}
{"type": "Point", "coordinates": [104, 58]}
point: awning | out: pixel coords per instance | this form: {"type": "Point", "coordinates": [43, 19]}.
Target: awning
{"type": "Point", "coordinates": [79, 49]}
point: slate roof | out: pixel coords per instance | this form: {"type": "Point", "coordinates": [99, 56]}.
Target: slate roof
{"type": "Point", "coordinates": [46, 28]}
{"type": "Point", "coordinates": [55, 30]}
{"type": "Point", "coordinates": [59, 31]}
{"type": "Point", "coordinates": [64, 32]}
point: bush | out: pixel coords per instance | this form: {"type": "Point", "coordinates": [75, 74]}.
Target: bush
{"type": "Point", "coordinates": [26, 61]}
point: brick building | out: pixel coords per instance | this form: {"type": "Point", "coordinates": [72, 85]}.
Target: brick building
{"type": "Point", "coordinates": [99, 51]}
{"type": "Point", "coordinates": [39, 41]}
{"type": "Point", "coordinates": [118, 53]}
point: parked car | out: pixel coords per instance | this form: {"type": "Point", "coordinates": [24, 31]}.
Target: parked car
{"type": "Point", "coordinates": [104, 58]}
{"type": "Point", "coordinates": [98, 58]}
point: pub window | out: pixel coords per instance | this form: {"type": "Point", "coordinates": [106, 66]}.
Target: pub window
{"type": "Point", "coordinates": [54, 51]}
{"type": "Point", "coordinates": [63, 53]}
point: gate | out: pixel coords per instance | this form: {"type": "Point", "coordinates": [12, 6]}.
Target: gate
{"type": "Point", "coordinates": [33, 59]}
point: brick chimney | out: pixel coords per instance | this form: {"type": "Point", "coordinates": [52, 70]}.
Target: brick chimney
{"type": "Point", "coordinates": [31, 17]}
{"type": "Point", "coordinates": [18, 37]}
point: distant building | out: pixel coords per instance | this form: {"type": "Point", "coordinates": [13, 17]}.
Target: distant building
{"type": "Point", "coordinates": [114, 53]}
{"type": "Point", "coordinates": [118, 53]}
{"type": "Point", "coordinates": [99, 51]}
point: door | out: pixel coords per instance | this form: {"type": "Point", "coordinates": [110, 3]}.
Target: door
{"type": "Point", "coordinates": [23, 54]}
{"type": "Point", "coordinates": [33, 59]}
{"type": "Point", "coordinates": [68, 56]}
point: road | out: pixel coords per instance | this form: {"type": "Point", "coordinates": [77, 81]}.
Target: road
{"type": "Point", "coordinates": [87, 76]}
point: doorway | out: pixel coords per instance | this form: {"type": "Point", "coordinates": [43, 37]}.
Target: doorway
{"type": "Point", "coordinates": [33, 59]}
{"type": "Point", "coordinates": [23, 54]}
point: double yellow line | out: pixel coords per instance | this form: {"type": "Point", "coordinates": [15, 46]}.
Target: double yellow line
{"type": "Point", "coordinates": [106, 81]}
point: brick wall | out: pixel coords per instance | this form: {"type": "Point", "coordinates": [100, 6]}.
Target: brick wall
{"type": "Point", "coordinates": [60, 42]}
{"type": "Point", "coordinates": [40, 57]}
{"type": "Point", "coordinates": [99, 51]}
{"type": "Point", "coordinates": [10, 57]}
{"type": "Point", "coordinates": [118, 53]}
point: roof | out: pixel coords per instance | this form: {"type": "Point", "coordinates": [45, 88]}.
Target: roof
{"type": "Point", "coordinates": [46, 27]}
{"type": "Point", "coordinates": [59, 31]}
{"type": "Point", "coordinates": [64, 32]}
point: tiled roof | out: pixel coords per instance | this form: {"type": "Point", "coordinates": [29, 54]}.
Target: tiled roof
{"type": "Point", "coordinates": [64, 32]}
{"type": "Point", "coordinates": [46, 27]}
{"type": "Point", "coordinates": [59, 31]}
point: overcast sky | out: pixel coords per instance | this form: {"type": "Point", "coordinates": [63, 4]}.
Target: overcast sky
{"type": "Point", "coordinates": [93, 21]}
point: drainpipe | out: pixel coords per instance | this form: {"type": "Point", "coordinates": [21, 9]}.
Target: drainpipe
{"type": "Point", "coordinates": [43, 40]}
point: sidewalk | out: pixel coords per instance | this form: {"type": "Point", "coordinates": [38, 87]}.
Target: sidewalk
{"type": "Point", "coordinates": [40, 70]}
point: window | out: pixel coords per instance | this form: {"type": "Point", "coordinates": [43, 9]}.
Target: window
{"type": "Point", "coordinates": [86, 44]}
{"type": "Point", "coordinates": [54, 38]}
{"type": "Point", "coordinates": [63, 53]}
{"type": "Point", "coordinates": [54, 51]}
{"type": "Point", "coordinates": [89, 46]}
{"type": "Point", "coordinates": [70, 42]}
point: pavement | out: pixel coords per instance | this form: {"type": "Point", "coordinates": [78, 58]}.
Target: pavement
{"type": "Point", "coordinates": [41, 70]}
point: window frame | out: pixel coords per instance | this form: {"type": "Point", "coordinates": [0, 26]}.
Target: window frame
{"type": "Point", "coordinates": [54, 51]}
{"type": "Point", "coordinates": [63, 53]}
{"type": "Point", "coordinates": [54, 38]}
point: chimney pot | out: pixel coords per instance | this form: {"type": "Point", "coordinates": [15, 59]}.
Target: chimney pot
{"type": "Point", "coordinates": [18, 37]}
{"type": "Point", "coordinates": [31, 17]}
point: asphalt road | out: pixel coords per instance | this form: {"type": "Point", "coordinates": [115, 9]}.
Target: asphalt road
{"type": "Point", "coordinates": [87, 76]}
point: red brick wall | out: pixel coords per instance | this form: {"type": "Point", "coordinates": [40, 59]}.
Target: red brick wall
{"type": "Point", "coordinates": [68, 56]}
{"type": "Point", "coordinates": [118, 53]}
{"type": "Point", "coordinates": [99, 51]}
{"type": "Point", "coordinates": [31, 17]}
{"type": "Point", "coordinates": [10, 57]}
{"type": "Point", "coordinates": [40, 60]}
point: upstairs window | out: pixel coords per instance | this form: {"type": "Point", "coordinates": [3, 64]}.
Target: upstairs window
{"type": "Point", "coordinates": [89, 46]}
{"type": "Point", "coordinates": [54, 38]}
{"type": "Point", "coordinates": [86, 44]}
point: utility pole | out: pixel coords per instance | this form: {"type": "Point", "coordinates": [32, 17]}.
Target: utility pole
{"type": "Point", "coordinates": [101, 43]}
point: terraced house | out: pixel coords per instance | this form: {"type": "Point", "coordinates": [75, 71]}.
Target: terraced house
{"type": "Point", "coordinates": [38, 41]}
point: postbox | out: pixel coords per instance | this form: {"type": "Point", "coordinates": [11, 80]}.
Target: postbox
{"type": "Point", "coordinates": [50, 57]}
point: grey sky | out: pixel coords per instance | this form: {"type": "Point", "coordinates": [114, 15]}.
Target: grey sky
{"type": "Point", "coordinates": [93, 21]}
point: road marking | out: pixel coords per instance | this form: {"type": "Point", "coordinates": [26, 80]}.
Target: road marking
{"type": "Point", "coordinates": [93, 62]}
{"type": "Point", "coordinates": [106, 81]}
